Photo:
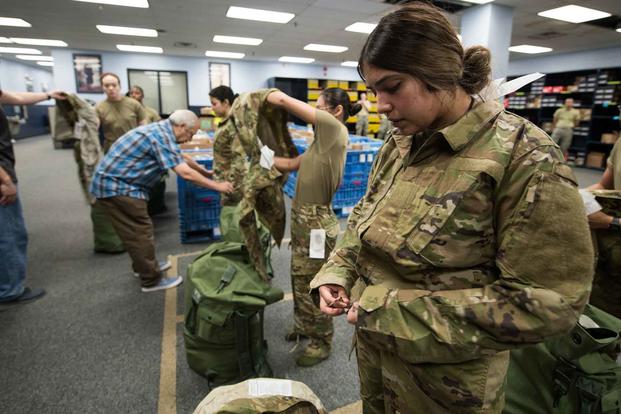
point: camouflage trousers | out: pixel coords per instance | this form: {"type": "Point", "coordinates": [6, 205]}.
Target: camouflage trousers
{"type": "Point", "coordinates": [308, 319]}
{"type": "Point", "coordinates": [390, 384]}
{"type": "Point", "coordinates": [606, 292]}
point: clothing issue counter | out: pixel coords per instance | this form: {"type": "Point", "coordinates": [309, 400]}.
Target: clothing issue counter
{"type": "Point", "coordinates": [361, 152]}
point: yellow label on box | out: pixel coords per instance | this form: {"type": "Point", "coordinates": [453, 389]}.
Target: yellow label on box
{"type": "Point", "coordinates": [333, 84]}
{"type": "Point", "coordinates": [344, 84]}
{"type": "Point", "coordinates": [313, 95]}
{"type": "Point", "coordinates": [313, 84]}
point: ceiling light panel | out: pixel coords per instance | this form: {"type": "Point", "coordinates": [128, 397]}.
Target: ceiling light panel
{"type": "Point", "coordinates": [293, 59]}
{"type": "Point", "coordinates": [350, 63]}
{"type": "Point", "coordinates": [20, 50]}
{"type": "Point", "coordinates": [227, 55]}
{"type": "Point", "coordinates": [35, 57]}
{"type": "Point", "coordinates": [144, 4]}
{"type": "Point", "coordinates": [13, 21]}
{"type": "Point", "coordinates": [43, 63]}
{"type": "Point", "coordinates": [140, 49]}
{"type": "Point", "coordinates": [5, 40]}
{"type": "Point", "coordinates": [574, 14]}
{"type": "Point", "coordinates": [126, 31]}
{"type": "Point", "coordinates": [478, 1]}
{"type": "Point", "coordinates": [38, 42]}
{"type": "Point", "coordinates": [259, 15]}
{"type": "Point", "coordinates": [360, 27]}
{"type": "Point", "coordinates": [325, 48]}
{"type": "Point", "coordinates": [530, 49]}
{"type": "Point", "coordinates": [234, 40]}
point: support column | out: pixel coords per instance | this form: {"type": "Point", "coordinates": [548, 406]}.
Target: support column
{"type": "Point", "coordinates": [489, 25]}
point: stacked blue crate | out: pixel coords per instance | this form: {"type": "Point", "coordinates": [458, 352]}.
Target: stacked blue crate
{"type": "Point", "coordinates": [199, 208]}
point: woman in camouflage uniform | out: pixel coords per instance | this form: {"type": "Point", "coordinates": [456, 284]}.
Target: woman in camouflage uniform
{"type": "Point", "coordinates": [471, 239]}
{"type": "Point", "coordinates": [314, 226]}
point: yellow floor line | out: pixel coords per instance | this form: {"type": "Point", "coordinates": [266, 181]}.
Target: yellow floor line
{"type": "Point", "coordinates": [167, 403]}
{"type": "Point", "coordinates": [354, 408]}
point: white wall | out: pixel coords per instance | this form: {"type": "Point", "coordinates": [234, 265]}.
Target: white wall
{"type": "Point", "coordinates": [245, 75]}
{"type": "Point", "coordinates": [12, 76]}
{"type": "Point", "coordinates": [593, 59]}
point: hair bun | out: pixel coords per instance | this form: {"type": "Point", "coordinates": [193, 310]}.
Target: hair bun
{"type": "Point", "coordinates": [354, 109]}
{"type": "Point", "coordinates": [477, 68]}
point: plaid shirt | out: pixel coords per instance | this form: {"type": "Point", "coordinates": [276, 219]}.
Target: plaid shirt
{"type": "Point", "coordinates": [136, 162]}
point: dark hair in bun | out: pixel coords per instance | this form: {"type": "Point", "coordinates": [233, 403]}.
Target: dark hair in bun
{"type": "Point", "coordinates": [337, 96]}
{"type": "Point", "coordinates": [223, 93]}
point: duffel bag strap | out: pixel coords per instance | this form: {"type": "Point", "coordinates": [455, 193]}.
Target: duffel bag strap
{"type": "Point", "coordinates": [564, 377]}
{"type": "Point", "coordinates": [226, 278]}
{"type": "Point", "coordinates": [242, 343]}
{"type": "Point", "coordinates": [589, 394]}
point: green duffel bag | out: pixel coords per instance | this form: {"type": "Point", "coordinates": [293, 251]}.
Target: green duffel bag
{"type": "Point", "coordinates": [224, 302]}
{"type": "Point", "coordinates": [576, 373]}
{"type": "Point", "coordinates": [104, 236]}
{"type": "Point", "coordinates": [229, 228]}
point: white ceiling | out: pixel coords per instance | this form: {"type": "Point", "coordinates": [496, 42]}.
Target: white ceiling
{"type": "Point", "coordinates": [316, 21]}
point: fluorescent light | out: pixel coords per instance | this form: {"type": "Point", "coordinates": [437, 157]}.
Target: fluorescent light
{"type": "Point", "coordinates": [573, 14]}
{"type": "Point", "coordinates": [479, 1]}
{"type": "Point", "coordinates": [530, 49]}
{"type": "Point", "coordinates": [18, 50]}
{"type": "Point", "coordinates": [237, 40]}
{"type": "Point", "coordinates": [45, 63]}
{"type": "Point", "coordinates": [35, 57]}
{"type": "Point", "coordinates": [325, 48]}
{"type": "Point", "coordinates": [258, 15]}
{"type": "Point", "coordinates": [229, 55]}
{"type": "Point", "coordinates": [360, 27]}
{"type": "Point", "coordinates": [140, 49]}
{"type": "Point", "coordinates": [38, 42]}
{"type": "Point", "coordinates": [619, 30]}
{"type": "Point", "coordinates": [350, 63]}
{"type": "Point", "coordinates": [5, 40]}
{"type": "Point", "coordinates": [293, 59]}
{"type": "Point", "coordinates": [13, 21]}
{"type": "Point", "coordinates": [144, 4]}
{"type": "Point", "coordinates": [126, 31]}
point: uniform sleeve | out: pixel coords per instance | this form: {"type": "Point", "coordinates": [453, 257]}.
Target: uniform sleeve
{"type": "Point", "coordinates": [221, 158]}
{"type": "Point", "coordinates": [327, 130]}
{"type": "Point", "coordinates": [141, 113]}
{"type": "Point", "coordinates": [615, 154]}
{"type": "Point", "coordinates": [545, 264]}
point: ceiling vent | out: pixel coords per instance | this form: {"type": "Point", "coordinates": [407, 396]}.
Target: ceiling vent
{"type": "Point", "coordinates": [187, 45]}
{"type": "Point", "coordinates": [547, 35]}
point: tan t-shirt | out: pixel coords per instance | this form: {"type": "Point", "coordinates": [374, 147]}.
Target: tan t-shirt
{"type": "Point", "coordinates": [566, 118]}
{"type": "Point", "coordinates": [118, 117]}
{"type": "Point", "coordinates": [152, 115]}
{"type": "Point", "coordinates": [321, 168]}
{"type": "Point", "coordinates": [614, 162]}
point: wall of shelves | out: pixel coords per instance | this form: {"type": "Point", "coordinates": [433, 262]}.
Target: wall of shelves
{"type": "Point", "coordinates": [313, 88]}
{"type": "Point", "coordinates": [596, 93]}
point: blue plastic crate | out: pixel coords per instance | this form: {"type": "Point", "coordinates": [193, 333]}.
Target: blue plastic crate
{"type": "Point", "coordinates": [349, 194]}
{"type": "Point", "coordinates": [199, 212]}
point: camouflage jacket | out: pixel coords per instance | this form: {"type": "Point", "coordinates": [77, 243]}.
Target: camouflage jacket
{"type": "Point", "coordinates": [258, 123]}
{"type": "Point", "coordinates": [88, 151]}
{"type": "Point", "coordinates": [229, 161]}
{"type": "Point", "coordinates": [610, 200]}
{"type": "Point", "coordinates": [474, 241]}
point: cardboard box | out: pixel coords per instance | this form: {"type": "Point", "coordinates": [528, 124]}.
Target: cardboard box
{"type": "Point", "coordinates": [609, 137]}
{"type": "Point", "coordinates": [197, 144]}
{"type": "Point", "coordinates": [595, 159]}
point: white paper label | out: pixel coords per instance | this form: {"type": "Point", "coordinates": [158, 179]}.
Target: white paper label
{"type": "Point", "coordinates": [363, 158]}
{"type": "Point", "coordinates": [216, 232]}
{"type": "Point", "coordinates": [347, 210]}
{"type": "Point", "coordinates": [77, 129]}
{"type": "Point", "coordinates": [369, 157]}
{"type": "Point", "coordinates": [267, 157]}
{"type": "Point", "coordinates": [260, 387]}
{"type": "Point", "coordinates": [317, 248]}
{"type": "Point", "coordinates": [590, 203]}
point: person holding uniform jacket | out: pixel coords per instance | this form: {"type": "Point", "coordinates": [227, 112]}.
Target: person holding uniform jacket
{"type": "Point", "coordinates": [314, 226]}
{"type": "Point", "coordinates": [471, 239]}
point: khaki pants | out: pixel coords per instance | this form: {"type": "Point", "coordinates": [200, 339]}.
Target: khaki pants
{"type": "Point", "coordinates": [133, 225]}
{"type": "Point", "coordinates": [563, 137]}
{"type": "Point", "coordinates": [362, 125]}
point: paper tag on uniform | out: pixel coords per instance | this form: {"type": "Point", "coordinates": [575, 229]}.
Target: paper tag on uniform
{"type": "Point", "coordinates": [317, 248]}
{"type": "Point", "coordinates": [267, 157]}
{"type": "Point", "coordinates": [77, 129]}
{"type": "Point", "coordinates": [259, 387]}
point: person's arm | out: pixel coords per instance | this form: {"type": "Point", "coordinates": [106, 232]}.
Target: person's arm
{"type": "Point", "coordinates": [8, 191]}
{"type": "Point", "coordinates": [187, 173]}
{"type": "Point", "coordinates": [367, 104]}
{"type": "Point", "coordinates": [141, 114]}
{"type": "Point", "coordinates": [196, 166]}
{"type": "Point", "coordinates": [606, 182]}
{"type": "Point", "coordinates": [555, 119]}
{"type": "Point", "coordinates": [29, 98]}
{"type": "Point", "coordinates": [296, 107]}
{"type": "Point", "coordinates": [283, 164]}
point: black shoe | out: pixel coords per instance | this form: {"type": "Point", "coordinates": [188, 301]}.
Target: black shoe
{"type": "Point", "coordinates": [29, 295]}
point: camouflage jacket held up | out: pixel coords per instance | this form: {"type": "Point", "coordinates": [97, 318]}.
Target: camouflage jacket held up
{"type": "Point", "coordinates": [475, 241]}
{"type": "Point", "coordinates": [258, 123]}
{"type": "Point", "coordinates": [229, 161]}
{"type": "Point", "coordinates": [87, 150]}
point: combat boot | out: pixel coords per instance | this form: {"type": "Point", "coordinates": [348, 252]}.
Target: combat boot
{"type": "Point", "coordinates": [314, 353]}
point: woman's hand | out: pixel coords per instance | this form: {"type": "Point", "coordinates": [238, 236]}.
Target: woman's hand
{"type": "Point", "coordinates": [333, 300]}
{"type": "Point", "coordinates": [352, 314]}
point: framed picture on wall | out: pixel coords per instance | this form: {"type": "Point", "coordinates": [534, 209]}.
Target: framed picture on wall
{"type": "Point", "coordinates": [87, 69]}
{"type": "Point", "coordinates": [219, 74]}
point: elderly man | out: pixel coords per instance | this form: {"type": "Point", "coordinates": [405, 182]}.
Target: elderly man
{"type": "Point", "coordinates": [123, 179]}
{"type": "Point", "coordinates": [13, 235]}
